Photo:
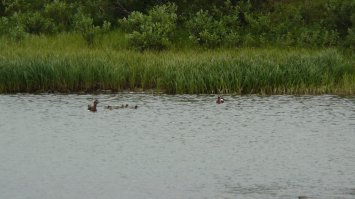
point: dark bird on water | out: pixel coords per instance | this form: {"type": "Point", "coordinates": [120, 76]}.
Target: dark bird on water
{"type": "Point", "coordinates": [219, 100]}
{"type": "Point", "coordinates": [92, 107]}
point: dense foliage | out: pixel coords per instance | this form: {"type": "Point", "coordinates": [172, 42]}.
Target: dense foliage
{"type": "Point", "coordinates": [230, 23]}
{"type": "Point", "coordinates": [74, 67]}
{"type": "Point", "coordinates": [154, 30]}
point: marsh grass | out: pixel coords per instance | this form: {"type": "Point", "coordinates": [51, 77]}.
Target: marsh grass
{"type": "Point", "coordinates": [66, 64]}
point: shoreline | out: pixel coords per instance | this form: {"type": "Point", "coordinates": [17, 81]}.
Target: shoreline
{"type": "Point", "coordinates": [264, 71]}
{"type": "Point", "coordinates": [151, 92]}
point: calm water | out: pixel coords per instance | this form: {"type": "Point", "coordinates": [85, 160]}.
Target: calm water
{"type": "Point", "coordinates": [182, 146]}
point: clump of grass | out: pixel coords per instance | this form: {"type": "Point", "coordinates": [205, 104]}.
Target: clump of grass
{"type": "Point", "coordinates": [37, 65]}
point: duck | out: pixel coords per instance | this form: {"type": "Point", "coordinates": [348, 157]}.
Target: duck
{"type": "Point", "coordinates": [219, 100]}
{"type": "Point", "coordinates": [92, 107]}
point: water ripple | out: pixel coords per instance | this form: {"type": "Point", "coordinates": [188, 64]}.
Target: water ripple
{"type": "Point", "coordinates": [177, 146]}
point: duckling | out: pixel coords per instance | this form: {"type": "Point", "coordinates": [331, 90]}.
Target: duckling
{"type": "Point", "coordinates": [134, 107]}
{"type": "Point", "coordinates": [219, 100]}
{"type": "Point", "coordinates": [110, 107]}
{"type": "Point", "coordinates": [92, 107]}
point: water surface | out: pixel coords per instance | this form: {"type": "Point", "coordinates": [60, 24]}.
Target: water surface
{"type": "Point", "coordinates": [181, 146]}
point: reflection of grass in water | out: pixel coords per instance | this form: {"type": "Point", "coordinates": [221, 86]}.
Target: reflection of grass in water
{"type": "Point", "coordinates": [64, 63]}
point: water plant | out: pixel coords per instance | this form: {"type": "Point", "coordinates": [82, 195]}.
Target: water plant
{"type": "Point", "coordinates": [66, 64]}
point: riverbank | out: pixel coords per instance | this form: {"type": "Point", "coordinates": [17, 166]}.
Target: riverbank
{"type": "Point", "coordinates": [66, 64]}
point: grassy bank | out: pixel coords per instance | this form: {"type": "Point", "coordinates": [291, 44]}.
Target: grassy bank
{"type": "Point", "coordinates": [65, 64]}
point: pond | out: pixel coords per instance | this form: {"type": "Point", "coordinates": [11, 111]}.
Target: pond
{"type": "Point", "coordinates": [176, 146]}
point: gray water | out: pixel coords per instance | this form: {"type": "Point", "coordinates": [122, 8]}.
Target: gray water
{"type": "Point", "coordinates": [182, 146]}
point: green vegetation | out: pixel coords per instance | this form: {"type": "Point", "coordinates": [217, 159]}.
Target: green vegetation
{"type": "Point", "coordinates": [155, 24]}
{"type": "Point", "coordinates": [66, 64]}
{"type": "Point", "coordinates": [232, 46]}
{"type": "Point", "coordinates": [84, 25]}
{"type": "Point", "coordinates": [154, 30]}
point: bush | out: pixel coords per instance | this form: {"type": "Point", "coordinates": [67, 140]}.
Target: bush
{"type": "Point", "coordinates": [12, 28]}
{"type": "Point", "coordinates": [4, 25]}
{"type": "Point", "coordinates": [350, 39]}
{"type": "Point", "coordinates": [60, 12]}
{"type": "Point", "coordinates": [35, 23]}
{"type": "Point", "coordinates": [316, 37]}
{"type": "Point", "coordinates": [152, 31]}
{"type": "Point", "coordinates": [330, 38]}
{"type": "Point", "coordinates": [17, 33]}
{"type": "Point", "coordinates": [84, 25]}
{"type": "Point", "coordinates": [215, 28]}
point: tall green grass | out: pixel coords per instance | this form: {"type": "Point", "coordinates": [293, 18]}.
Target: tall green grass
{"type": "Point", "coordinates": [65, 64]}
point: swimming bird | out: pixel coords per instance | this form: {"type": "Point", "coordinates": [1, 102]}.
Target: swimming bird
{"type": "Point", "coordinates": [92, 107]}
{"type": "Point", "coordinates": [219, 100]}
{"type": "Point", "coordinates": [111, 107]}
{"type": "Point", "coordinates": [134, 107]}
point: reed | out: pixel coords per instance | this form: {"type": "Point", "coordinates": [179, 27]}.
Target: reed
{"type": "Point", "coordinates": [65, 64]}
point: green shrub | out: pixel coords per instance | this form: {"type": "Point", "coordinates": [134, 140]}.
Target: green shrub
{"type": "Point", "coordinates": [204, 29]}
{"type": "Point", "coordinates": [350, 39]}
{"type": "Point", "coordinates": [4, 25]}
{"type": "Point", "coordinates": [152, 31]}
{"type": "Point", "coordinates": [60, 12]}
{"type": "Point", "coordinates": [17, 33]}
{"type": "Point", "coordinates": [316, 37]}
{"type": "Point", "coordinates": [12, 28]}
{"type": "Point", "coordinates": [249, 40]}
{"type": "Point", "coordinates": [35, 23]}
{"type": "Point", "coordinates": [215, 28]}
{"type": "Point", "coordinates": [330, 38]}
{"type": "Point", "coordinates": [84, 25]}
